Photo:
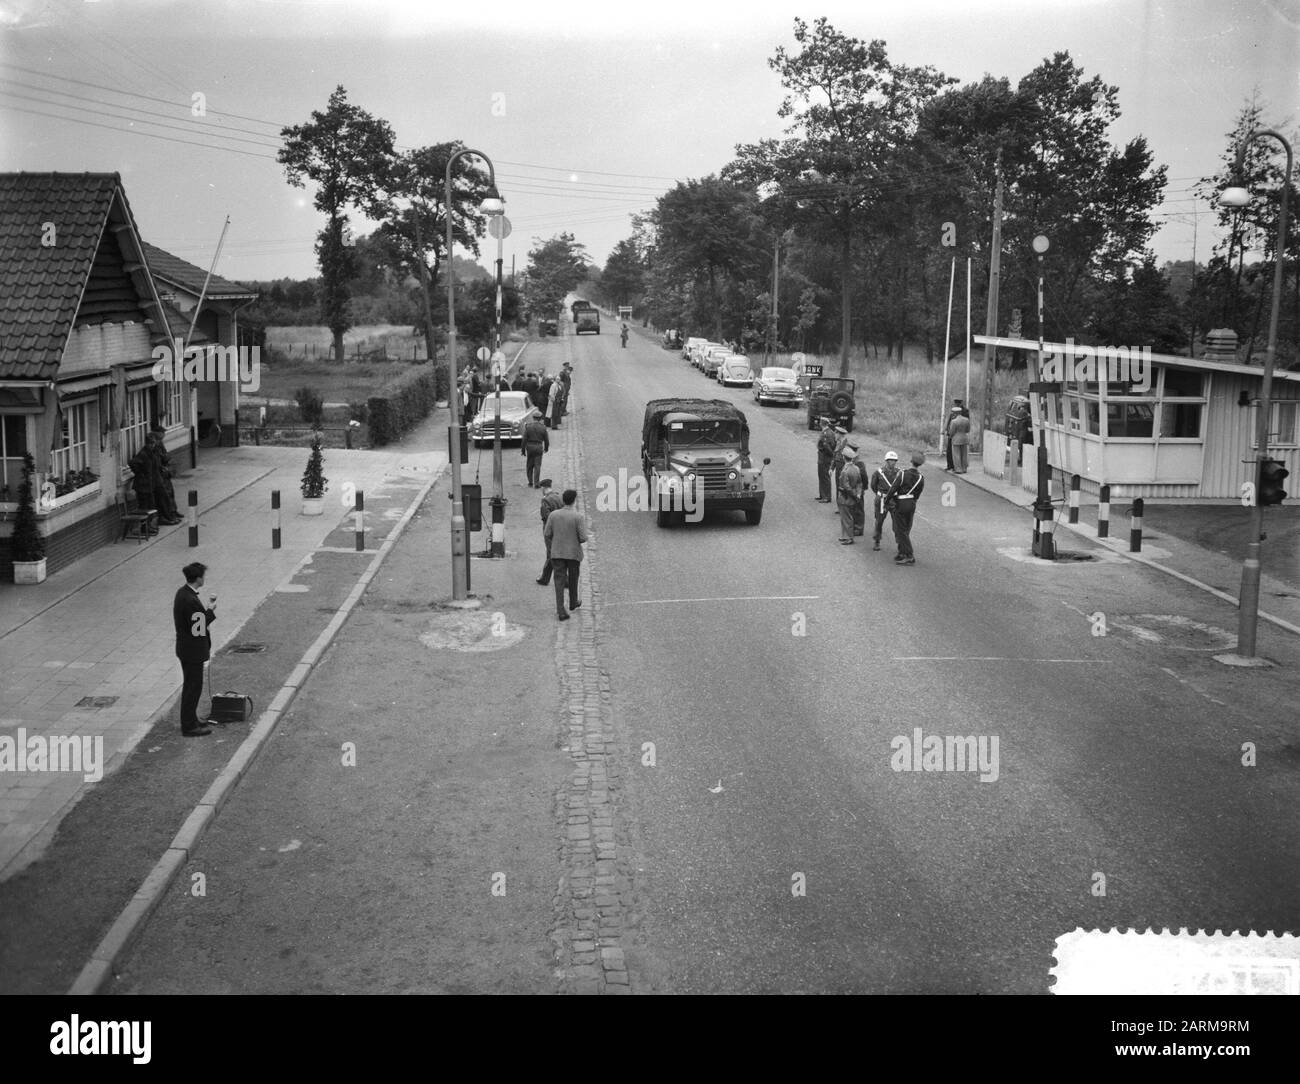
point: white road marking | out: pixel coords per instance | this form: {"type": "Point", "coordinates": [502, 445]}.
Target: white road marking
{"type": "Point", "coordinates": [977, 658]}
{"type": "Point", "coordinates": [1184, 681]}
{"type": "Point", "coordinates": [732, 598]}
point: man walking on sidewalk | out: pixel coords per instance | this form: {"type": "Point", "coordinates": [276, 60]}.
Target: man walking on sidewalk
{"type": "Point", "coordinates": [565, 533]}
{"type": "Point", "coordinates": [551, 502]}
{"type": "Point", "coordinates": [192, 618]}
{"type": "Point", "coordinates": [536, 441]}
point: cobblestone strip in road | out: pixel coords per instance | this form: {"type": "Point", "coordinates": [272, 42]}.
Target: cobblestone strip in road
{"type": "Point", "coordinates": [595, 888]}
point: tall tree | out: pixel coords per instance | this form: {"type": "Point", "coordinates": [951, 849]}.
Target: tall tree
{"type": "Point", "coordinates": [854, 112]}
{"type": "Point", "coordinates": [623, 279]}
{"type": "Point", "coordinates": [348, 154]}
{"type": "Point", "coordinates": [555, 267]}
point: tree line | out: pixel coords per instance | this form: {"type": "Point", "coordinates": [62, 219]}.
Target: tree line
{"type": "Point", "coordinates": [887, 173]}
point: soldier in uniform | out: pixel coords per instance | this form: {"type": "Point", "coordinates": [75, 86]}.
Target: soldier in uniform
{"type": "Point", "coordinates": [849, 494]}
{"type": "Point", "coordinates": [536, 441]}
{"type": "Point", "coordinates": [825, 452]}
{"type": "Point", "coordinates": [903, 495]}
{"type": "Point", "coordinates": [882, 481]}
{"type": "Point", "coordinates": [837, 455]}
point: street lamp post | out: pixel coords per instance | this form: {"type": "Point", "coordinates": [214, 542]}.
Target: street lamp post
{"type": "Point", "coordinates": [1248, 603]}
{"type": "Point", "coordinates": [492, 205]}
{"type": "Point", "coordinates": [1044, 514]}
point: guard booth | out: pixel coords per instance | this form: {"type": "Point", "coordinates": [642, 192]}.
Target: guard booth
{"type": "Point", "coordinates": [1183, 432]}
{"type": "Point", "coordinates": [625, 312]}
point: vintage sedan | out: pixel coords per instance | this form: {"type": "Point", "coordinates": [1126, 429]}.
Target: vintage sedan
{"type": "Point", "coordinates": [778, 385]}
{"type": "Point", "coordinates": [701, 349]}
{"type": "Point", "coordinates": [515, 408]}
{"type": "Point", "coordinates": [712, 358]}
{"type": "Point", "coordinates": [735, 371]}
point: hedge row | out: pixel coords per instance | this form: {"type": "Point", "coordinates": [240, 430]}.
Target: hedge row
{"type": "Point", "coordinates": [403, 403]}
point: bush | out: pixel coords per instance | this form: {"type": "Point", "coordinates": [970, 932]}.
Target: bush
{"type": "Point", "coordinates": [27, 544]}
{"type": "Point", "coordinates": [400, 406]}
{"type": "Point", "coordinates": [311, 406]}
{"type": "Point", "coordinates": [314, 482]}
{"type": "Point", "coordinates": [359, 411]}
{"type": "Point", "coordinates": [441, 383]}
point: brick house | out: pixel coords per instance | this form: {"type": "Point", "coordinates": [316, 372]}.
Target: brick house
{"type": "Point", "coordinates": [82, 310]}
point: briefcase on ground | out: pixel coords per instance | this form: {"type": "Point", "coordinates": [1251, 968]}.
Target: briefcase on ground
{"type": "Point", "coordinates": [231, 707]}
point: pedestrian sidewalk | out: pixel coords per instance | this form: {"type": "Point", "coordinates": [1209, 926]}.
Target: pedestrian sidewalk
{"type": "Point", "coordinates": [1175, 554]}
{"type": "Point", "coordinates": [90, 652]}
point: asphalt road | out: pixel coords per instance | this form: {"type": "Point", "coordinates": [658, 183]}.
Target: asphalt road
{"type": "Point", "coordinates": [1118, 754]}
{"type": "Point", "coordinates": [773, 847]}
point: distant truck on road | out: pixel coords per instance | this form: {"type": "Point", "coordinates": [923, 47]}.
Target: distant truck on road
{"type": "Point", "coordinates": [587, 320]}
{"type": "Point", "coordinates": [578, 306]}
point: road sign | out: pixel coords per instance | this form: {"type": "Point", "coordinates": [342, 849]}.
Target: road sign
{"type": "Point", "coordinates": [483, 353]}
{"type": "Point", "coordinates": [499, 227]}
{"type": "Point", "coordinates": [812, 370]}
{"type": "Point", "coordinates": [499, 356]}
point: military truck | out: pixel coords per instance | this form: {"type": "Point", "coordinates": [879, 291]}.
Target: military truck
{"type": "Point", "coordinates": [831, 397]}
{"type": "Point", "coordinates": [695, 455]}
{"type": "Point", "coordinates": [587, 320]}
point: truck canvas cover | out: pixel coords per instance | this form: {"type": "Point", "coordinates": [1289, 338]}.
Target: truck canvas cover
{"type": "Point", "coordinates": [658, 409]}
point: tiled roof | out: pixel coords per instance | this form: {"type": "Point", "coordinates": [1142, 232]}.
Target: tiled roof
{"type": "Point", "coordinates": [170, 269]}
{"type": "Point", "coordinates": [41, 284]}
{"type": "Point", "coordinates": [179, 322]}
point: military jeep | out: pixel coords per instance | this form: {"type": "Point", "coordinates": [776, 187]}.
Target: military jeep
{"type": "Point", "coordinates": [831, 397]}
{"type": "Point", "coordinates": [695, 455]}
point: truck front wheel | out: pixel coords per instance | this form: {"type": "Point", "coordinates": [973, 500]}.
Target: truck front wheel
{"type": "Point", "coordinates": [753, 516]}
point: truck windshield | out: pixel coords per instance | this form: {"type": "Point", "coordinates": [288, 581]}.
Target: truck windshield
{"type": "Point", "coordinates": [721, 431]}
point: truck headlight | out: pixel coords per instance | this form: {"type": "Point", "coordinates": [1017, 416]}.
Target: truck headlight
{"type": "Point", "coordinates": [732, 476]}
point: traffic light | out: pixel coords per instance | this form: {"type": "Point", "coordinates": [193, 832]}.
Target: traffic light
{"type": "Point", "coordinates": [1271, 475]}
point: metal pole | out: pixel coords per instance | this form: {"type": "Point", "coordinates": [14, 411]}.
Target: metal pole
{"type": "Point", "coordinates": [947, 331]}
{"type": "Point", "coordinates": [275, 531]}
{"type": "Point", "coordinates": [1248, 609]}
{"type": "Point", "coordinates": [991, 313]}
{"type": "Point", "coordinates": [459, 532]}
{"type": "Point", "coordinates": [498, 502]}
{"type": "Point", "coordinates": [359, 526]}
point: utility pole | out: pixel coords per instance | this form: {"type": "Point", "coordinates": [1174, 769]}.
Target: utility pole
{"type": "Point", "coordinates": [991, 313]}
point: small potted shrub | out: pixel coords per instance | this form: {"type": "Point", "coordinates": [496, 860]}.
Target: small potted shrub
{"type": "Point", "coordinates": [314, 482]}
{"type": "Point", "coordinates": [27, 545]}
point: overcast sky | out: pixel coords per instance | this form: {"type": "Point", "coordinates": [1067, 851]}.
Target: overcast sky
{"type": "Point", "coordinates": [589, 111]}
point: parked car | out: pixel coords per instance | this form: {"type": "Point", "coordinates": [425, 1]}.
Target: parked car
{"type": "Point", "coordinates": [547, 327]}
{"type": "Point", "coordinates": [688, 348]}
{"type": "Point", "coordinates": [515, 408]}
{"type": "Point", "coordinates": [672, 339]}
{"type": "Point", "coordinates": [702, 348]}
{"type": "Point", "coordinates": [778, 385]}
{"type": "Point", "coordinates": [735, 371]}
{"type": "Point", "coordinates": [712, 359]}
{"type": "Point", "coordinates": [831, 397]}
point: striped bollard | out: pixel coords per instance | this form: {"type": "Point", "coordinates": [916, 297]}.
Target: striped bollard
{"type": "Point", "coordinates": [498, 526]}
{"type": "Point", "coordinates": [275, 531]}
{"type": "Point", "coordinates": [1103, 513]}
{"type": "Point", "coordinates": [192, 514]}
{"type": "Point", "coordinates": [359, 525]}
{"type": "Point", "coordinates": [1135, 528]}
{"type": "Point", "coordinates": [1046, 539]}
{"type": "Point", "coordinates": [1074, 498]}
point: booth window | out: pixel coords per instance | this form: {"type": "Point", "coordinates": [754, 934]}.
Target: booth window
{"type": "Point", "coordinates": [1180, 420]}
{"type": "Point", "coordinates": [1286, 422]}
{"type": "Point", "coordinates": [1183, 384]}
{"type": "Point", "coordinates": [1129, 420]}
{"type": "Point", "coordinates": [1092, 416]}
{"type": "Point", "coordinates": [176, 401]}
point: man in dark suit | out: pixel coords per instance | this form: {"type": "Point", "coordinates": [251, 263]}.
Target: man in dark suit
{"type": "Point", "coordinates": [193, 619]}
{"type": "Point", "coordinates": [551, 502]}
{"type": "Point", "coordinates": [565, 533]}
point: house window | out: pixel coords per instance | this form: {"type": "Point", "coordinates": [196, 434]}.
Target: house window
{"type": "Point", "coordinates": [178, 390]}
{"type": "Point", "coordinates": [13, 446]}
{"type": "Point", "coordinates": [1092, 416]}
{"type": "Point", "coordinates": [1183, 384]}
{"type": "Point", "coordinates": [71, 459]}
{"type": "Point", "coordinates": [136, 423]}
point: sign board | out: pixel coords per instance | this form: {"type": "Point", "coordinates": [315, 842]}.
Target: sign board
{"type": "Point", "coordinates": [498, 227]}
{"type": "Point", "coordinates": [483, 353]}
{"type": "Point", "coordinates": [812, 370]}
{"type": "Point", "coordinates": [497, 358]}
